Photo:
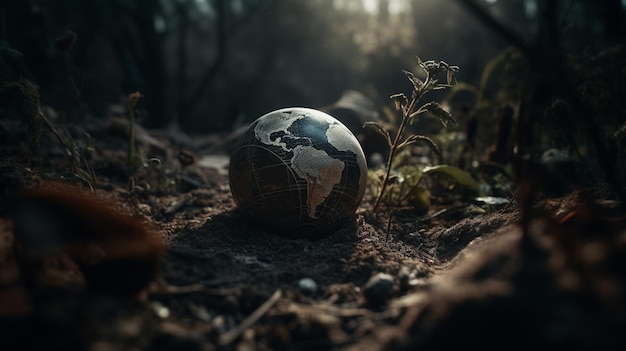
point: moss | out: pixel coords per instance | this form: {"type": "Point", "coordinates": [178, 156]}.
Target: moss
{"type": "Point", "coordinates": [21, 98]}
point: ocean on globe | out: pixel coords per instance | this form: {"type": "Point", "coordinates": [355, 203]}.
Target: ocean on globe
{"type": "Point", "coordinates": [299, 170]}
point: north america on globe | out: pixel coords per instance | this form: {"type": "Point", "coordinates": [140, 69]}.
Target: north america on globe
{"type": "Point", "coordinates": [298, 168]}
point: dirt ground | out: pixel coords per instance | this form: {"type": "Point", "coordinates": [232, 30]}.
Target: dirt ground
{"type": "Point", "coordinates": [196, 274]}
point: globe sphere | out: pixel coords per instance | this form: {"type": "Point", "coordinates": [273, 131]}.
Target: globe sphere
{"type": "Point", "coordinates": [299, 170]}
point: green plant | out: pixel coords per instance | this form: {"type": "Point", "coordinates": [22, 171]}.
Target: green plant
{"type": "Point", "coordinates": [489, 112]}
{"type": "Point", "coordinates": [500, 87]}
{"type": "Point", "coordinates": [78, 151]}
{"type": "Point", "coordinates": [20, 97]}
{"type": "Point", "coordinates": [132, 149]}
{"type": "Point", "coordinates": [410, 111]}
{"type": "Point", "coordinates": [65, 43]}
{"type": "Point", "coordinates": [501, 81]}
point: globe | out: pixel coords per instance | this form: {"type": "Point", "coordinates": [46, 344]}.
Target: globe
{"type": "Point", "coordinates": [299, 170]}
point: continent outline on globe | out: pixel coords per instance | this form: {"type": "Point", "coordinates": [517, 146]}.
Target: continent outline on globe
{"type": "Point", "coordinates": [326, 170]}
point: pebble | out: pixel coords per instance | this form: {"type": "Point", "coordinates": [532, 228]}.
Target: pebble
{"type": "Point", "coordinates": [378, 289]}
{"type": "Point", "coordinates": [308, 286]}
{"type": "Point", "coordinates": [404, 278]}
{"type": "Point", "coordinates": [160, 310]}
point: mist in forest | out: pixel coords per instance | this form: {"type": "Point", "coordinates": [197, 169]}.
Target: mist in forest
{"type": "Point", "coordinates": [211, 65]}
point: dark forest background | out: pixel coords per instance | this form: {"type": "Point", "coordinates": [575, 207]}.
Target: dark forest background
{"type": "Point", "coordinates": [209, 65]}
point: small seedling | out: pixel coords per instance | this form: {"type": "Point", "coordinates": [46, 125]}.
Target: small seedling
{"type": "Point", "coordinates": [65, 43]}
{"type": "Point", "coordinates": [410, 112]}
{"type": "Point", "coordinates": [132, 150]}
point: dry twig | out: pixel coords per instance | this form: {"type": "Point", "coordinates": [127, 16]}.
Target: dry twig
{"type": "Point", "coordinates": [230, 336]}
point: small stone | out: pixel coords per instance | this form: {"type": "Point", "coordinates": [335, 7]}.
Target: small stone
{"type": "Point", "coordinates": [308, 286]}
{"type": "Point", "coordinates": [378, 289]}
{"type": "Point", "coordinates": [186, 158]}
{"type": "Point", "coordinates": [404, 277]}
{"type": "Point", "coordinates": [160, 310]}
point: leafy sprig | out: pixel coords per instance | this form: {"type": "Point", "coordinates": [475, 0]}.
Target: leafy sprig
{"type": "Point", "coordinates": [410, 113]}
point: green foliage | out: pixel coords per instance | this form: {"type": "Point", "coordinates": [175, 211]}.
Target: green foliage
{"type": "Point", "coordinates": [409, 189]}
{"type": "Point", "coordinates": [391, 179]}
{"type": "Point", "coordinates": [485, 146]}
{"type": "Point", "coordinates": [600, 81]}
{"type": "Point", "coordinates": [500, 83]}
{"type": "Point", "coordinates": [20, 97]}
{"type": "Point", "coordinates": [80, 150]}
{"type": "Point", "coordinates": [458, 177]}
{"type": "Point", "coordinates": [419, 199]}
{"type": "Point", "coordinates": [505, 69]}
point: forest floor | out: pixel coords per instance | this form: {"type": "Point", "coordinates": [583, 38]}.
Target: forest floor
{"type": "Point", "coordinates": [225, 282]}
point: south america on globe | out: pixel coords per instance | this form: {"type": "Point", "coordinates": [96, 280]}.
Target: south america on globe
{"type": "Point", "coordinates": [298, 170]}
